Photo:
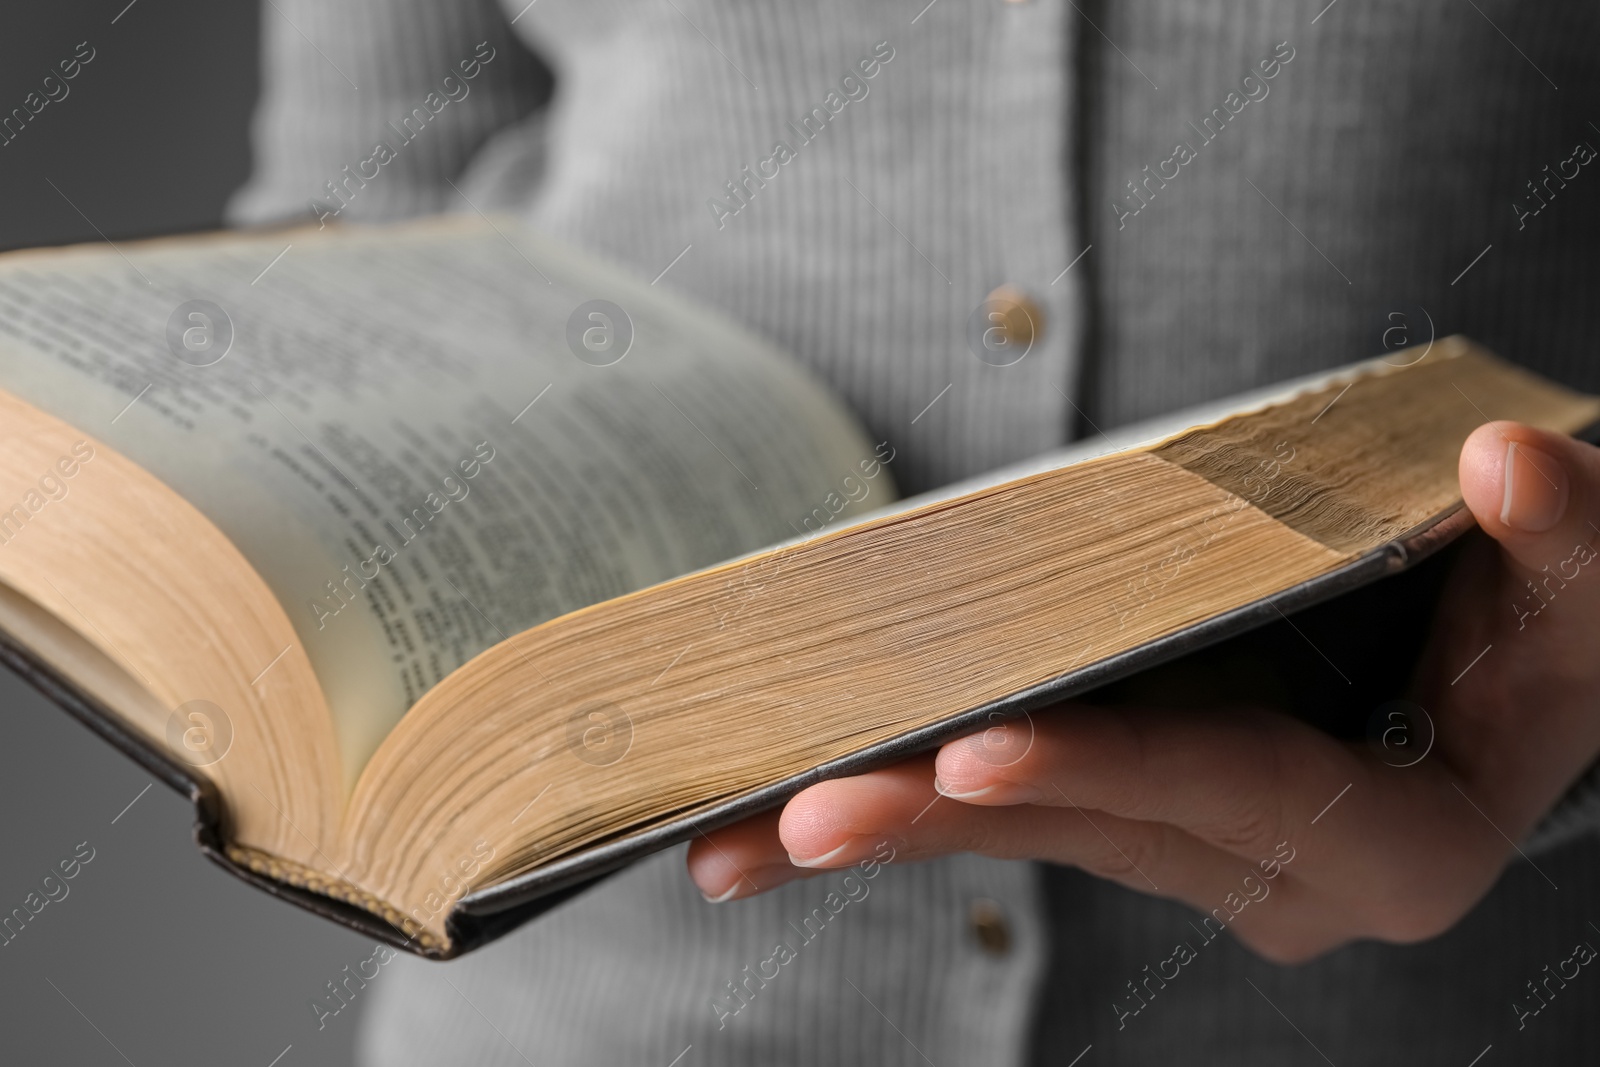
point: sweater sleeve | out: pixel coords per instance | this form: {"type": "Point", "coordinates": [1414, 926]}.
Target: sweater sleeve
{"type": "Point", "coordinates": [369, 109]}
{"type": "Point", "coordinates": [1576, 815]}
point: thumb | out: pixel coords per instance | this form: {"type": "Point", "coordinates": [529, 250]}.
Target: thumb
{"type": "Point", "coordinates": [1535, 492]}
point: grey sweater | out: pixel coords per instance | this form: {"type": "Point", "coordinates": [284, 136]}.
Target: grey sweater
{"type": "Point", "coordinates": [1200, 196]}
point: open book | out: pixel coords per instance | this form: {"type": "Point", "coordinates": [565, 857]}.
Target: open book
{"type": "Point", "coordinates": [429, 560]}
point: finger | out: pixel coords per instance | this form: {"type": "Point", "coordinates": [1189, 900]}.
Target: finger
{"type": "Point", "coordinates": [899, 809]}
{"type": "Point", "coordinates": [1243, 782]}
{"type": "Point", "coordinates": [1538, 494]}
{"type": "Point", "coordinates": [846, 820]}
{"type": "Point", "coordinates": [742, 860]}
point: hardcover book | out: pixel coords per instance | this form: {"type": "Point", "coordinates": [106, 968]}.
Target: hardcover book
{"type": "Point", "coordinates": [447, 570]}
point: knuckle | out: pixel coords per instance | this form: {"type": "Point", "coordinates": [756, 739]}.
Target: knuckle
{"type": "Point", "coordinates": [1249, 825]}
{"type": "Point", "coordinates": [1299, 932]}
{"type": "Point", "coordinates": [1288, 948]}
{"type": "Point", "coordinates": [977, 833]}
{"type": "Point", "coordinates": [1406, 918]}
{"type": "Point", "coordinates": [1404, 905]}
{"type": "Point", "coordinates": [1249, 815]}
{"type": "Point", "coordinates": [1401, 904]}
{"type": "Point", "coordinates": [1128, 857]}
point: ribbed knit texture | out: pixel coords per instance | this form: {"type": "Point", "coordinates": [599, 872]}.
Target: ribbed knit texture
{"type": "Point", "coordinates": [1385, 157]}
{"type": "Point", "coordinates": [863, 257]}
{"type": "Point", "coordinates": [991, 149]}
{"type": "Point", "coordinates": [632, 972]}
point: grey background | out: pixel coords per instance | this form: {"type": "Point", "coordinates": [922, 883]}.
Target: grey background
{"type": "Point", "coordinates": [156, 956]}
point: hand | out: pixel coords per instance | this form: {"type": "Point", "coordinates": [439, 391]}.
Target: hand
{"type": "Point", "coordinates": [1219, 810]}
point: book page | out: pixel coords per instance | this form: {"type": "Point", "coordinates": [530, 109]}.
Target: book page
{"type": "Point", "coordinates": [1127, 438]}
{"type": "Point", "coordinates": [428, 438]}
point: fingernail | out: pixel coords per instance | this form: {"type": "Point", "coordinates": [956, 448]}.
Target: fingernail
{"type": "Point", "coordinates": [854, 850]}
{"type": "Point", "coordinates": [1536, 489]}
{"type": "Point", "coordinates": [999, 793]}
{"type": "Point", "coordinates": [751, 882]}
{"type": "Point", "coordinates": [723, 898]}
